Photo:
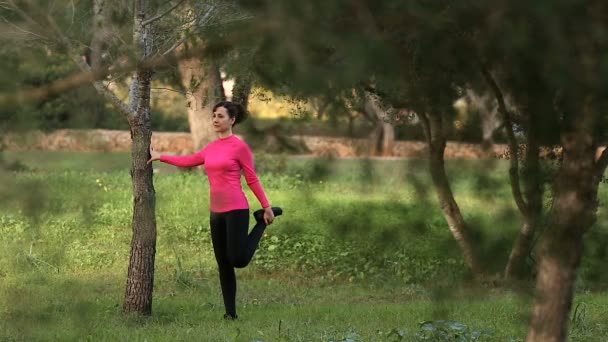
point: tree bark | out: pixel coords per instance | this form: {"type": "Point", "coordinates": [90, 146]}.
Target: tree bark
{"type": "Point", "coordinates": [515, 268]}
{"type": "Point", "coordinates": [533, 194]}
{"type": "Point", "coordinates": [388, 139]}
{"type": "Point", "coordinates": [351, 125]}
{"type": "Point", "coordinates": [100, 37]}
{"type": "Point", "coordinates": [488, 115]}
{"type": "Point", "coordinates": [382, 139]}
{"type": "Point", "coordinates": [203, 84]}
{"type": "Point", "coordinates": [433, 128]}
{"type": "Point", "coordinates": [573, 212]}
{"type": "Point", "coordinates": [140, 278]}
{"type": "Point", "coordinates": [529, 202]}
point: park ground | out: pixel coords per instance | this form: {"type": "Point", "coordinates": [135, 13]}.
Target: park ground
{"type": "Point", "coordinates": [361, 254]}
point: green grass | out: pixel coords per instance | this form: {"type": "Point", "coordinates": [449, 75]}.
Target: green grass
{"type": "Point", "coordinates": [361, 251]}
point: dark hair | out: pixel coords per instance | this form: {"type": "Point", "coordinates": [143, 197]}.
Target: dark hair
{"type": "Point", "coordinates": [235, 110]}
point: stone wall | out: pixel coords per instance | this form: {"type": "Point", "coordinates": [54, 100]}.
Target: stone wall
{"type": "Point", "coordinates": [94, 140]}
{"type": "Point", "coordinates": [180, 143]}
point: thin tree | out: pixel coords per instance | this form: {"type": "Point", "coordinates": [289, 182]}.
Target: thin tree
{"type": "Point", "coordinates": [140, 277]}
{"type": "Point", "coordinates": [528, 201]}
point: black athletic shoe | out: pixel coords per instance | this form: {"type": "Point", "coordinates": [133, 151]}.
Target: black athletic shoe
{"type": "Point", "coordinates": [229, 317]}
{"type": "Point", "coordinates": [259, 214]}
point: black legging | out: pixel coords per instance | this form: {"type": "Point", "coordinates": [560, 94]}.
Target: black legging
{"type": "Point", "coordinates": [233, 247]}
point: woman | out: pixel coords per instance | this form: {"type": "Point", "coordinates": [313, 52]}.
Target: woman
{"type": "Point", "coordinates": [223, 160]}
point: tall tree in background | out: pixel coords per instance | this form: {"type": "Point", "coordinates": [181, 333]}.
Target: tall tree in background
{"type": "Point", "coordinates": [382, 138]}
{"type": "Point", "coordinates": [202, 83]}
{"type": "Point", "coordinates": [200, 75]}
{"type": "Point", "coordinates": [529, 201]}
{"type": "Point", "coordinates": [483, 104]}
{"type": "Point", "coordinates": [550, 56]}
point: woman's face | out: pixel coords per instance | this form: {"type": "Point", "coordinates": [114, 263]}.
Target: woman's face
{"type": "Point", "coordinates": [222, 122]}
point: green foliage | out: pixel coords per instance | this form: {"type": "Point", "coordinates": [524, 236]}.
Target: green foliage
{"type": "Point", "coordinates": [423, 55]}
{"type": "Point", "coordinates": [442, 330]}
{"type": "Point", "coordinates": [35, 55]}
{"type": "Point", "coordinates": [404, 57]}
{"type": "Point", "coordinates": [78, 108]}
{"type": "Point", "coordinates": [394, 231]}
{"type": "Point", "coordinates": [354, 269]}
{"type": "Point", "coordinates": [271, 163]}
{"type": "Point", "coordinates": [330, 258]}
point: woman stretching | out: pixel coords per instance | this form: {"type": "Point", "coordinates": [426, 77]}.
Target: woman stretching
{"type": "Point", "coordinates": [223, 160]}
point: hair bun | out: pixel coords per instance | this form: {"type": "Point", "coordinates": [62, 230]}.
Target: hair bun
{"type": "Point", "coordinates": [241, 113]}
{"type": "Point", "coordinates": [235, 110]}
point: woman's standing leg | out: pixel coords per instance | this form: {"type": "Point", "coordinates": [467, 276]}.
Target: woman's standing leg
{"type": "Point", "coordinates": [227, 275]}
{"type": "Point", "coordinates": [234, 247]}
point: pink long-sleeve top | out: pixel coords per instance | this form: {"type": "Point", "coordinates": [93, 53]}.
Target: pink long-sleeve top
{"type": "Point", "coordinates": [223, 160]}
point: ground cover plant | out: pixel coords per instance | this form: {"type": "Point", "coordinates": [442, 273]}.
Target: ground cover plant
{"type": "Point", "coordinates": [361, 254]}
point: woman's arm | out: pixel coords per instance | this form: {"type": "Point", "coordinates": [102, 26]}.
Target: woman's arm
{"type": "Point", "coordinates": [245, 159]}
{"type": "Point", "coordinates": [191, 160]}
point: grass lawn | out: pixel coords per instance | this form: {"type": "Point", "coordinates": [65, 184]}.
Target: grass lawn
{"type": "Point", "coordinates": [361, 254]}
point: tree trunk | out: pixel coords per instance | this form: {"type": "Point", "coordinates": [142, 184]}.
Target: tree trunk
{"type": "Point", "coordinates": [100, 37]}
{"type": "Point", "coordinates": [351, 125]}
{"type": "Point", "coordinates": [203, 84]}
{"type": "Point", "coordinates": [515, 268]}
{"type": "Point", "coordinates": [374, 138]}
{"type": "Point", "coordinates": [573, 212]}
{"type": "Point", "coordinates": [382, 139]}
{"type": "Point", "coordinates": [489, 124]}
{"type": "Point", "coordinates": [436, 141]}
{"type": "Point", "coordinates": [533, 193]}
{"type": "Point", "coordinates": [388, 139]}
{"type": "Point", "coordinates": [140, 279]}
{"type": "Point", "coordinates": [485, 107]}
{"type": "Point", "coordinates": [320, 106]}
{"type": "Point", "coordinates": [530, 202]}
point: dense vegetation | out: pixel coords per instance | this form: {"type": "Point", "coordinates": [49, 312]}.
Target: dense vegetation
{"type": "Point", "coordinates": [361, 253]}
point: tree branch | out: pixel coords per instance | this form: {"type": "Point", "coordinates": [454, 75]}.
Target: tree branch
{"type": "Point", "coordinates": [153, 19]}
{"type": "Point", "coordinates": [174, 46]}
{"type": "Point", "coordinates": [174, 90]}
{"type": "Point", "coordinates": [199, 23]}
{"type": "Point", "coordinates": [73, 12]}
{"type": "Point", "coordinates": [127, 63]}
{"type": "Point", "coordinates": [13, 6]}
{"type": "Point", "coordinates": [117, 103]}
{"type": "Point", "coordinates": [87, 76]}
{"type": "Point", "coordinates": [514, 158]}
{"type": "Point", "coordinates": [232, 20]}
{"type": "Point", "coordinates": [426, 127]}
{"type": "Point", "coordinates": [24, 30]}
